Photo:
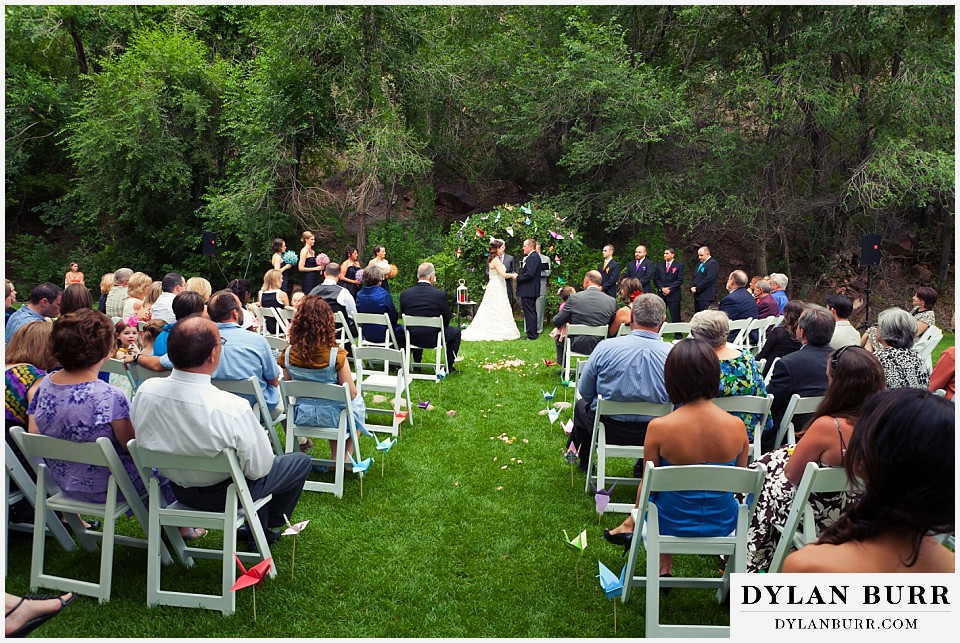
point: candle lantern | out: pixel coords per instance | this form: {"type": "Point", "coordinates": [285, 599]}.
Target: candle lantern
{"type": "Point", "coordinates": [462, 292]}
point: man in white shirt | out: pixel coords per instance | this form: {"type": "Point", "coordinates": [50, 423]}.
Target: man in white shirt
{"type": "Point", "coordinates": [171, 285]}
{"type": "Point", "coordinates": [185, 414]}
{"type": "Point", "coordinates": [845, 334]}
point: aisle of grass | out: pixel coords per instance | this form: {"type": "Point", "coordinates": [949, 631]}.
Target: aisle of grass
{"type": "Point", "coordinates": [448, 543]}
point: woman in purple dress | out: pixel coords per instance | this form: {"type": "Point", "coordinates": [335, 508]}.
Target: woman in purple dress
{"type": "Point", "coordinates": [74, 404]}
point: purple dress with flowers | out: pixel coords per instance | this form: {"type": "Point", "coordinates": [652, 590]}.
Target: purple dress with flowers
{"type": "Point", "coordinates": [82, 413]}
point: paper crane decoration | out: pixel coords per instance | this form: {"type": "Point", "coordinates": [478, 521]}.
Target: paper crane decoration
{"type": "Point", "coordinates": [553, 414]}
{"type": "Point", "coordinates": [421, 404]}
{"type": "Point", "coordinates": [252, 578]}
{"type": "Point", "coordinates": [612, 586]}
{"type": "Point", "coordinates": [293, 530]}
{"type": "Point", "coordinates": [384, 446]}
{"type": "Point", "coordinates": [548, 396]}
{"type": "Point", "coordinates": [580, 542]}
{"type": "Point", "coordinates": [557, 259]}
{"type": "Point", "coordinates": [571, 455]}
{"type": "Point", "coordinates": [360, 468]}
{"type": "Point", "coordinates": [561, 281]}
{"type": "Point", "coordinates": [510, 230]}
{"type": "Point", "coordinates": [602, 498]}
{"type": "Point", "coordinates": [479, 232]}
{"type": "Point", "coordinates": [527, 221]}
{"type": "Point", "coordinates": [440, 374]}
{"type": "Point", "coordinates": [526, 210]}
{"type": "Point", "coordinates": [556, 235]}
{"type": "Point", "coordinates": [497, 218]}
{"type": "Point", "coordinates": [548, 363]}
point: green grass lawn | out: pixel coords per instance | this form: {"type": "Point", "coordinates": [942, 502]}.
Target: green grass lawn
{"type": "Point", "coordinates": [447, 544]}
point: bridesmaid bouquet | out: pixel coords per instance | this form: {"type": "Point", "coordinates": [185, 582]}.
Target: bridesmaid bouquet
{"type": "Point", "coordinates": [323, 259]}
{"type": "Point", "coordinates": [392, 272]}
{"type": "Point", "coordinates": [290, 257]}
{"type": "Point", "coordinates": [358, 275]}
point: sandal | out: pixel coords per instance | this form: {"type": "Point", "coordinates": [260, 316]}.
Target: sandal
{"type": "Point", "coordinates": [195, 533]}
{"type": "Point", "coordinates": [33, 624]}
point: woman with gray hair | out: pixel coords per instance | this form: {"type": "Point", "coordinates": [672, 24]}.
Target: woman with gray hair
{"type": "Point", "coordinates": [739, 373]}
{"type": "Point", "coordinates": [902, 366]}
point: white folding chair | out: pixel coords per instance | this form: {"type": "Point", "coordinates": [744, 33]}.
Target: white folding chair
{"type": "Point", "coordinates": [50, 498]}
{"type": "Point", "coordinates": [801, 526]}
{"type": "Point", "coordinates": [375, 319]}
{"type": "Point", "coordinates": [293, 391]}
{"type": "Point", "coordinates": [383, 381]}
{"type": "Point", "coordinates": [601, 449]}
{"type": "Point", "coordinates": [579, 330]}
{"type": "Point", "coordinates": [581, 364]}
{"type": "Point", "coordinates": [439, 346]}
{"type": "Point", "coordinates": [275, 343]}
{"type": "Point", "coordinates": [769, 375]}
{"type": "Point", "coordinates": [344, 334]}
{"type": "Point", "coordinates": [763, 326]}
{"type": "Point", "coordinates": [15, 472]}
{"type": "Point", "coordinates": [283, 317]}
{"type": "Point", "coordinates": [797, 406]}
{"type": "Point", "coordinates": [117, 367]}
{"type": "Point", "coordinates": [669, 329]}
{"type": "Point", "coordinates": [749, 404]}
{"type": "Point", "coordinates": [926, 344]}
{"type": "Point", "coordinates": [250, 388]}
{"type": "Point", "coordinates": [689, 478]}
{"type": "Point", "coordinates": [623, 330]}
{"type": "Point", "coordinates": [262, 314]}
{"type": "Point", "coordinates": [741, 326]}
{"type": "Point", "coordinates": [239, 508]}
{"type": "Point", "coordinates": [139, 374]}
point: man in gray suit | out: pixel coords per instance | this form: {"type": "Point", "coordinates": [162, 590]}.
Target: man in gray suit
{"type": "Point", "coordinates": [542, 299]}
{"type": "Point", "coordinates": [591, 307]}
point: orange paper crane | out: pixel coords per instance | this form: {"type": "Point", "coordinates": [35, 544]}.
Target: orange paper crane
{"type": "Point", "coordinates": [252, 577]}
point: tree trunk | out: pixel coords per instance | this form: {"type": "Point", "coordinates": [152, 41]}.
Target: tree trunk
{"type": "Point", "coordinates": [78, 45]}
{"type": "Point", "coordinates": [946, 246]}
{"type": "Point", "coordinates": [762, 255]}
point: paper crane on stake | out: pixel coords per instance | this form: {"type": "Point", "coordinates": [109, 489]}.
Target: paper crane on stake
{"type": "Point", "coordinates": [553, 414]}
{"type": "Point", "coordinates": [293, 530]}
{"type": "Point", "coordinates": [398, 417]}
{"type": "Point", "coordinates": [612, 587]}
{"type": "Point", "coordinates": [440, 374]}
{"type": "Point", "coordinates": [422, 405]}
{"type": "Point", "coordinates": [360, 468]}
{"type": "Point", "coordinates": [252, 578]}
{"type": "Point", "coordinates": [527, 221]}
{"type": "Point", "coordinates": [580, 542]}
{"type": "Point", "coordinates": [602, 498]}
{"type": "Point", "coordinates": [548, 396]}
{"type": "Point", "coordinates": [384, 446]}
{"type": "Point", "coordinates": [571, 455]}
{"type": "Point", "coordinates": [548, 363]}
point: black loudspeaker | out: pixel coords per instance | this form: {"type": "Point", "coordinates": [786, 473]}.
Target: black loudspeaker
{"type": "Point", "coordinates": [870, 250]}
{"type": "Point", "coordinates": [209, 244]}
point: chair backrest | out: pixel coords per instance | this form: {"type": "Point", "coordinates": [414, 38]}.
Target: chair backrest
{"type": "Point", "coordinates": [623, 330]}
{"type": "Point", "coordinates": [615, 407]}
{"type": "Point", "coordinates": [140, 374]}
{"type": "Point", "coordinates": [769, 375]}
{"type": "Point", "coordinates": [742, 327]}
{"type": "Point", "coordinates": [583, 329]}
{"type": "Point", "coordinates": [816, 479]}
{"type": "Point", "coordinates": [389, 357]}
{"type": "Point", "coordinates": [415, 321]}
{"type": "Point", "coordinates": [702, 477]}
{"type": "Point", "coordinates": [375, 319]}
{"type": "Point", "coordinates": [261, 314]}
{"type": "Point", "coordinates": [276, 343]}
{"type": "Point", "coordinates": [344, 334]}
{"type": "Point", "coordinates": [283, 317]}
{"type": "Point", "coordinates": [927, 343]}
{"type": "Point", "coordinates": [250, 388]}
{"type": "Point", "coordinates": [754, 404]}
{"type": "Point", "coordinates": [117, 367]}
{"type": "Point", "coordinates": [797, 406]}
{"type": "Point", "coordinates": [675, 327]}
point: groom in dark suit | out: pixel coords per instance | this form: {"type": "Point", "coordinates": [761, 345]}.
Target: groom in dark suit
{"type": "Point", "coordinates": [423, 299]}
{"type": "Point", "coordinates": [528, 287]}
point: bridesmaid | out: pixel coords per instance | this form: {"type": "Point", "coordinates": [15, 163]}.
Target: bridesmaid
{"type": "Point", "coordinates": [380, 260]}
{"type": "Point", "coordinates": [279, 247]}
{"type": "Point", "coordinates": [348, 271]}
{"type": "Point", "coordinates": [309, 269]}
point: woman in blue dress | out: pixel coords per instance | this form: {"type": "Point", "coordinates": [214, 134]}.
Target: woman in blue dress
{"type": "Point", "coordinates": [696, 432]}
{"type": "Point", "coordinates": [313, 355]}
{"type": "Point", "coordinates": [373, 298]}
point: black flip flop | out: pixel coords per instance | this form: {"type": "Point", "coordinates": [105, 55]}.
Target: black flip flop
{"type": "Point", "coordinates": [33, 624]}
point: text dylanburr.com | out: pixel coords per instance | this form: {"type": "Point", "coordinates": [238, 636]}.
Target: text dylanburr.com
{"type": "Point", "coordinates": [847, 607]}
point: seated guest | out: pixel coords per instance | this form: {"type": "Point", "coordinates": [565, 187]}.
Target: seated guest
{"type": "Point", "coordinates": [559, 333]}
{"type": "Point", "coordinates": [241, 288]}
{"type": "Point", "coordinates": [184, 304]}
{"type": "Point", "coordinates": [739, 373]}
{"type": "Point", "coordinates": [766, 305]}
{"type": "Point", "coordinates": [782, 340]}
{"type": "Point", "coordinates": [629, 289]}
{"type": "Point", "coordinates": [803, 372]}
{"type": "Point", "coordinates": [424, 299]}
{"type": "Point", "coordinates": [944, 373]}
{"type": "Point", "coordinates": [313, 356]}
{"type": "Point", "coordinates": [373, 298]}
{"type": "Point", "coordinates": [778, 281]}
{"type": "Point", "coordinates": [172, 285]}
{"type": "Point", "coordinates": [150, 297]}
{"type": "Point", "coordinates": [845, 334]}
{"type": "Point", "coordinates": [27, 360]}
{"type": "Point", "coordinates": [75, 297]}
{"type": "Point", "coordinates": [73, 404]}
{"type": "Point", "coordinates": [896, 332]}
{"type": "Point", "coordinates": [339, 298]}
{"type": "Point", "coordinates": [10, 296]}
{"type": "Point", "coordinates": [853, 375]}
{"type": "Point", "coordinates": [186, 414]}
{"type": "Point", "coordinates": [889, 528]}
{"type": "Point", "coordinates": [625, 369]}
{"type": "Point", "coordinates": [200, 285]}
{"type": "Point", "coordinates": [43, 303]}
{"type": "Point", "coordinates": [923, 301]}
{"type": "Point", "coordinates": [271, 296]}
{"type": "Point", "coordinates": [149, 334]}
{"type": "Point", "coordinates": [137, 287]}
{"type": "Point", "coordinates": [590, 307]}
{"type": "Point", "coordinates": [106, 283]}
{"type": "Point", "coordinates": [739, 303]}
{"type": "Point", "coordinates": [697, 432]}
{"type": "Point", "coordinates": [118, 294]}
{"type": "Point", "coordinates": [296, 299]}
{"type": "Point", "coordinates": [25, 614]}
{"type": "Point", "coordinates": [127, 336]}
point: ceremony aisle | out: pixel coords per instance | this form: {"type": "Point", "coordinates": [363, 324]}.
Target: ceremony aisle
{"type": "Point", "coordinates": [462, 536]}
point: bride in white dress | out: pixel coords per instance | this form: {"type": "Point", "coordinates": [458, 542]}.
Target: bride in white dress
{"type": "Point", "coordinates": [494, 318]}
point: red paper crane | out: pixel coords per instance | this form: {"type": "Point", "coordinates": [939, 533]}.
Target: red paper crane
{"type": "Point", "coordinates": [252, 577]}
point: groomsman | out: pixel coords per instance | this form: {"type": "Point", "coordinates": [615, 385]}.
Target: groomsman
{"type": "Point", "coordinates": [542, 299]}
{"type": "Point", "coordinates": [703, 285]}
{"type": "Point", "coordinates": [668, 276]}
{"type": "Point", "coordinates": [610, 270]}
{"type": "Point", "coordinates": [641, 268]}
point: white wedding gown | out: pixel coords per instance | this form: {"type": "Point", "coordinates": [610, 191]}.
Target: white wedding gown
{"type": "Point", "coordinates": [494, 319]}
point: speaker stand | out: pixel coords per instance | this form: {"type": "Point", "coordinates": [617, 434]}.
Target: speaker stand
{"type": "Point", "coordinates": [866, 320]}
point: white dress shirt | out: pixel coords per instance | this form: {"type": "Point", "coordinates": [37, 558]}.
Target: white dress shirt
{"type": "Point", "coordinates": [163, 308]}
{"type": "Point", "coordinates": [186, 414]}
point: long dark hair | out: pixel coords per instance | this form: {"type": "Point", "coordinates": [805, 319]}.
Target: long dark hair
{"type": "Point", "coordinates": [495, 245]}
{"type": "Point", "coordinates": [855, 375]}
{"type": "Point", "coordinates": [902, 450]}
{"type": "Point", "coordinates": [791, 316]}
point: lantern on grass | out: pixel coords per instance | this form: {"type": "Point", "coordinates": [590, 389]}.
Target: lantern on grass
{"type": "Point", "coordinates": [462, 292]}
